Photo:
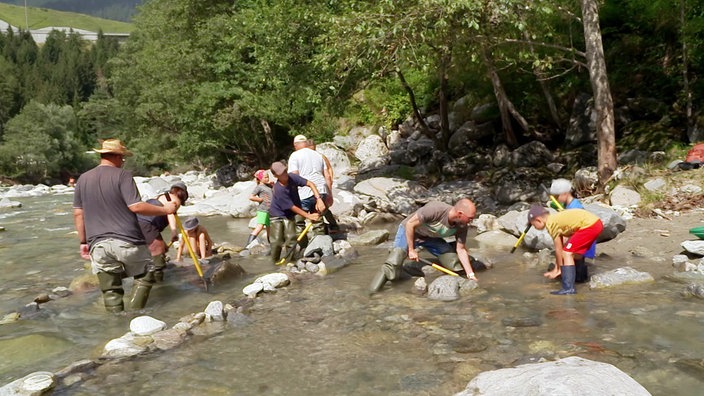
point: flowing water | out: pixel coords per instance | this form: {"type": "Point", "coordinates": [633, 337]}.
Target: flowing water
{"type": "Point", "coordinates": [325, 336]}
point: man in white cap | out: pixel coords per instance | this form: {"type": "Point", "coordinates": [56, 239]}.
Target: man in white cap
{"type": "Point", "coordinates": [105, 207]}
{"type": "Point", "coordinates": [310, 165]}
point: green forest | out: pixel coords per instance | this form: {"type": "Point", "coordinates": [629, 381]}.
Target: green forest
{"type": "Point", "coordinates": [200, 84]}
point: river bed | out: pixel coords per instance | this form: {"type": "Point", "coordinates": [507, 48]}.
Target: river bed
{"type": "Point", "coordinates": [326, 336]}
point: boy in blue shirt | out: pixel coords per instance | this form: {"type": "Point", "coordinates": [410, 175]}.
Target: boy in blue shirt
{"type": "Point", "coordinates": [285, 206]}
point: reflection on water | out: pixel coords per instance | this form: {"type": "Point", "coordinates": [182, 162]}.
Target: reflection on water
{"type": "Point", "coordinates": [325, 336]}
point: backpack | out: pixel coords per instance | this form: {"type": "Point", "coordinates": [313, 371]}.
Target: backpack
{"type": "Point", "coordinates": [696, 154]}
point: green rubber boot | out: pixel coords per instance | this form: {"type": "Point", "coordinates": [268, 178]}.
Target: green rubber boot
{"type": "Point", "coordinates": [111, 286]}
{"type": "Point", "coordinates": [140, 291]}
{"type": "Point", "coordinates": [299, 223]}
{"type": "Point", "coordinates": [451, 262]}
{"type": "Point", "coordinates": [390, 270]}
{"type": "Point", "coordinates": [277, 239]}
{"type": "Point", "coordinates": [158, 266]}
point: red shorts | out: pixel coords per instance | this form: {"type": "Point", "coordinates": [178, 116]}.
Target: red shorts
{"type": "Point", "coordinates": [582, 240]}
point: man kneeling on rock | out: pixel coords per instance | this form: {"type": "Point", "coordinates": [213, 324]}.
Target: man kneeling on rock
{"type": "Point", "coordinates": [428, 227]}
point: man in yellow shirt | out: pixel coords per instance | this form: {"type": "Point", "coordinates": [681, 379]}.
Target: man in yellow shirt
{"type": "Point", "coordinates": [581, 228]}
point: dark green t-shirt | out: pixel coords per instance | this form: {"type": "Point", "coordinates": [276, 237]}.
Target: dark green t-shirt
{"type": "Point", "coordinates": [105, 194]}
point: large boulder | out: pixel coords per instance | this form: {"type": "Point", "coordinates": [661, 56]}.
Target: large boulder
{"type": "Point", "coordinates": [392, 194]}
{"type": "Point", "coordinates": [485, 113]}
{"type": "Point", "coordinates": [353, 137]}
{"type": "Point", "coordinates": [582, 127]}
{"type": "Point", "coordinates": [321, 244]}
{"type": "Point", "coordinates": [371, 147]}
{"type": "Point", "coordinates": [495, 239]}
{"type": "Point", "coordinates": [450, 288]}
{"type": "Point", "coordinates": [233, 201]}
{"type": "Point", "coordinates": [531, 154]}
{"type": "Point", "coordinates": [370, 238]}
{"type": "Point", "coordinates": [338, 158]}
{"type": "Point", "coordinates": [613, 223]}
{"type": "Point", "coordinates": [572, 376]}
{"type": "Point", "coordinates": [463, 141]}
{"type": "Point", "coordinates": [694, 247]}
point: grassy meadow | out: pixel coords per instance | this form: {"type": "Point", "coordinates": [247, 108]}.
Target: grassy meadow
{"type": "Point", "coordinates": [41, 17]}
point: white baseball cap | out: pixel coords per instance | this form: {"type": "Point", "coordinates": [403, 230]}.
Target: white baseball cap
{"type": "Point", "coordinates": [560, 186]}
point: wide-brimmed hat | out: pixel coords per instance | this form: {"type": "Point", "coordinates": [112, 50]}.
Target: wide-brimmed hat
{"type": "Point", "coordinates": [190, 224]}
{"type": "Point", "coordinates": [113, 146]}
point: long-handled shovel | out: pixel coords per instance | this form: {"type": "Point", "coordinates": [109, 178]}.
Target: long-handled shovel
{"type": "Point", "coordinates": [437, 267]}
{"type": "Point", "coordinates": [188, 245]}
{"type": "Point", "coordinates": [289, 254]}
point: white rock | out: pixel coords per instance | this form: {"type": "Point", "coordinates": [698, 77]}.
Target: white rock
{"type": "Point", "coordinates": [35, 384]}
{"type": "Point", "coordinates": [655, 184]}
{"type": "Point", "coordinates": [486, 222]}
{"type": "Point", "coordinates": [341, 244]}
{"type": "Point", "coordinates": [122, 347]}
{"type": "Point", "coordinates": [694, 247]}
{"type": "Point", "coordinates": [572, 376]}
{"type": "Point", "coordinates": [215, 309]}
{"type": "Point", "coordinates": [276, 279]}
{"type": "Point", "coordinates": [680, 261]}
{"type": "Point", "coordinates": [371, 147]}
{"type": "Point", "coordinates": [444, 288]}
{"type": "Point", "coordinates": [338, 158]}
{"type": "Point", "coordinates": [370, 238]}
{"type": "Point", "coordinates": [253, 289]}
{"type": "Point", "coordinates": [146, 325]}
{"type": "Point", "coordinates": [6, 203]}
{"type": "Point", "coordinates": [691, 188]}
{"type": "Point", "coordinates": [623, 196]}
{"type": "Point", "coordinates": [619, 276]}
{"type": "Point", "coordinates": [496, 239]}
{"type": "Point", "coordinates": [420, 285]}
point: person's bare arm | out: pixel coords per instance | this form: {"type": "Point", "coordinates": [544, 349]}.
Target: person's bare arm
{"type": "Point", "coordinates": [148, 209]}
{"type": "Point", "coordinates": [328, 173]}
{"type": "Point", "coordinates": [411, 225]}
{"type": "Point", "coordinates": [79, 223]}
{"type": "Point", "coordinates": [463, 255]}
{"type": "Point", "coordinates": [179, 251]}
{"type": "Point", "coordinates": [256, 198]}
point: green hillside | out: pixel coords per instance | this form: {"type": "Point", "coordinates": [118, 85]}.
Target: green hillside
{"type": "Point", "coordinates": [42, 17]}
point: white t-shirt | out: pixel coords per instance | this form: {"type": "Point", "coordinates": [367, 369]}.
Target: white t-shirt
{"type": "Point", "coordinates": [309, 165]}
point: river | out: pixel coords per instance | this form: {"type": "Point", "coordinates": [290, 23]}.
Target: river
{"type": "Point", "coordinates": [325, 335]}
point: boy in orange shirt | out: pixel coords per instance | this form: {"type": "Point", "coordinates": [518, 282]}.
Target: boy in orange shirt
{"type": "Point", "coordinates": [581, 228]}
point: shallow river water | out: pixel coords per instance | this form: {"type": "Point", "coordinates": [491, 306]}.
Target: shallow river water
{"type": "Point", "coordinates": [325, 335]}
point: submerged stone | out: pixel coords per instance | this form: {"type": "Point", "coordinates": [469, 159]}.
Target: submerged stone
{"type": "Point", "coordinates": [567, 377]}
{"type": "Point", "coordinates": [619, 276]}
{"type": "Point", "coordinates": [34, 384]}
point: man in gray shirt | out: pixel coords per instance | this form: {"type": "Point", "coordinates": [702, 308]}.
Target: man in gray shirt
{"type": "Point", "coordinates": [105, 207]}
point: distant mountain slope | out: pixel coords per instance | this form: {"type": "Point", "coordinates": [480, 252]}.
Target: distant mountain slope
{"type": "Point", "coordinates": [117, 10]}
{"type": "Point", "coordinates": [40, 18]}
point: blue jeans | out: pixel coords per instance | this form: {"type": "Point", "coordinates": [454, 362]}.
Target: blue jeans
{"type": "Point", "coordinates": [308, 204]}
{"type": "Point", "coordinates": [436, 246]}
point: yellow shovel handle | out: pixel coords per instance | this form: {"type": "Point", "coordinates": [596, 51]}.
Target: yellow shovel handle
{"type": "Point", "coordinates": [188, 245]}
{"type": "Point", "coordinates": [445, 270]}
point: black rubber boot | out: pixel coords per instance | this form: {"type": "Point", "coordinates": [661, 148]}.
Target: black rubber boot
{"type": "Point", "coordinates": [157, 267]}
{"type": "Point", "coordinates": [582, 271]}
{"type": "Point", "coordinates": [140, 291]}
{"type": "Point", "coordinates": [567, 278]}
{"type": "Point", "coordinates": [390, 270]}
{"type": "Point", "coordinates": [250, 239]}
{"type": "Point", "coordinates": [111, 286]}
{"type": "Point", "coordinates": [414, 268]}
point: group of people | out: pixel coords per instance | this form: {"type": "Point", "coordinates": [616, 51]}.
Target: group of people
{"type": "Point", "coordinates": [573, 229]}
{"type": "Point", "coordinates": [121, 234]}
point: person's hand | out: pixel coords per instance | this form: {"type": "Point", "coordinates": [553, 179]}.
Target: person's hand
{"type": "Point", "coordinates": [320, 205]}
{"type": "Point", "coordinates": [174, 238]}
{"type": "Point", "coordinates": [85, 254]}
{"type": "Point", "coordinates": [412, 254]}
{"type": "Point", "coordinates": [313, 217]}
{"type": "Point", "coordinates": [171, 207]}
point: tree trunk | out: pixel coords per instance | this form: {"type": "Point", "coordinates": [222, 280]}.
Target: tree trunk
{"type": "Point", "coordinates": [416, 111]}
{"type": "Point", "coordinates": [442, 98]}
{"type": "Point", "coordinates": [269, 137]}
{"type": "Point", "coordinates": [687, 91]}
{"type": "Point", "coordinates": [506, 108]}
{"type": "Point", "coordinates": [603, 103]}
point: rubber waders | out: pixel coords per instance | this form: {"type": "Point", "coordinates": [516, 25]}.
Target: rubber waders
{"type": "Point", "coordinates": [451, 261]}
{"type": "Point", "coordinates": [140, 290]}
{"type": "Point", "coordinates": [158, 265]}
{"type": "Point", "coordinates": [250, 239]}
{"type": "Point", "coordinates": [390, 270]}
{"type": "Point", "coordinates": [582, 274]}
{"type": "Point", "coordinates": [567, 278]}
{"type": "Point", "coordinates": [111, 286]}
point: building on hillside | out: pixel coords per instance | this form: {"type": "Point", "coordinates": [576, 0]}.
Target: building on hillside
{"type": "Point", "coordinates": [40, 35]}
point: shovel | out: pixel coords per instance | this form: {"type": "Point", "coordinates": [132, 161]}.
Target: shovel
{"type": "Point", "coordinates": [437, 267]}
{"type": "Point", "coordinates": [289, 254]}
